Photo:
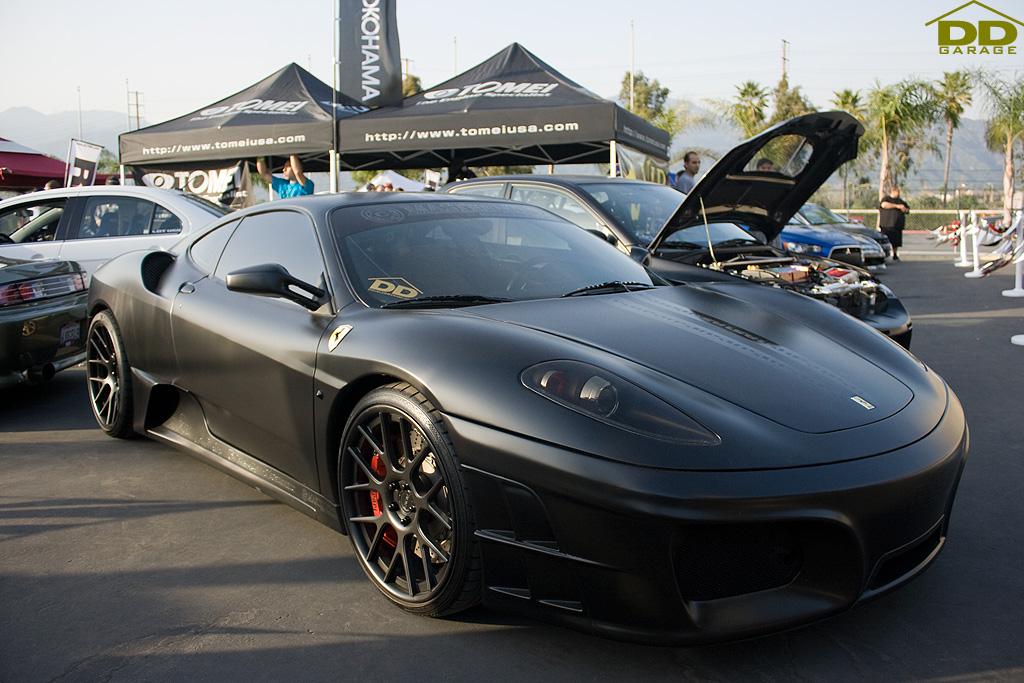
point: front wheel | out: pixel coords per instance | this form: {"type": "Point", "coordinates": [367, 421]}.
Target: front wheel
{"type": "Point", "coordinates": [109, 376]}
{"type": "Point", "coordinates": [405, 505]}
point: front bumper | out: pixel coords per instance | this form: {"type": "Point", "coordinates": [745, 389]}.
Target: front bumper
{"type": "Point", "coordinates": [682, 557]}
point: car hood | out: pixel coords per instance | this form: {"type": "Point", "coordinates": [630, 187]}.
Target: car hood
{"type": "Point", "coordinates": [729, 347]}
{"type": "Point", "coordinates": [767, 201]}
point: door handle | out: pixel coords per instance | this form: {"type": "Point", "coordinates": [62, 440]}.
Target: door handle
{"type": "Point", "coordinates": [187, 288]}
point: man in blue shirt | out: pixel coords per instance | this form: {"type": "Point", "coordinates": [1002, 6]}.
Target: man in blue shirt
{"type": "Point", "coordinates": [294, 183]}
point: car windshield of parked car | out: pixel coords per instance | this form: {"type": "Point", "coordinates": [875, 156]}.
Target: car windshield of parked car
{"type": "Point", "coordinates": [713, 234]}
{"type": "Point", "coordinates": [815, 214]}
{"type": "Point", "coordinates": [642, 209]}
{"type": "Point", "coordinates": [466, 253]}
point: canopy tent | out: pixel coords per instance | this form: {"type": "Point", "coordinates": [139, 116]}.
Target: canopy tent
{"type": "Point", "coordinates": [512, 109]}
{"type": "Point", "coordinates": [288, 112]}
{"type": "Point", "coordinates": [25, 168]}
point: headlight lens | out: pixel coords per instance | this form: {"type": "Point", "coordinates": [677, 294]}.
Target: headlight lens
{"type": "Point", "coordinates": [610, 399]}
{"type": "Point", "coordinates": [801, 248]}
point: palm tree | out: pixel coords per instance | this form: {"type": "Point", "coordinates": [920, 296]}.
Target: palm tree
{"type": "Point", "coordinates": [955, 94]}
{"type": "Point", "coordinates": [1005, 129]}
{"type": "Point", "coordinates": [849, 101]}
{"type": "Point", "coordinates": [747, 109]}
{"type": "Point", "coordinates": [899, 116]}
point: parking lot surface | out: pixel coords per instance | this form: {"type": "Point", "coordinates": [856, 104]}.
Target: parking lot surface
{"type": "Point", "coordinates": [129, 561]}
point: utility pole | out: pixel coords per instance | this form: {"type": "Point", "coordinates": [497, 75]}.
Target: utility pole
{"type": "Point", "coordinates": [136, 106]}
{"type": "Point", "coordinates": [785, 60]}
{"type": "Point", "coordinates": [631, 67]}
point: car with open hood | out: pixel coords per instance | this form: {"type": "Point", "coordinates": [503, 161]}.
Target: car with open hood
{"type": "Point", "coordinates": [498, 408]}
{"type": "Point", "coordinates": [747, 211]}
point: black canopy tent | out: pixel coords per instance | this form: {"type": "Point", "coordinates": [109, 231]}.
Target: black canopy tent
{"type": "Point", "coordinates": [512, 109]}
{"type": "Point", "coordinates": [289, 112]}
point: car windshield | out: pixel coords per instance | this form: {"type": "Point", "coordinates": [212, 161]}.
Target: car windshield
{"type": "Point", "coordinates": [466, 253]}
{"type": "Point", "coordinates": [642, 209]}
{"type": "Point", "coordinates": [815, 214]}
{"type": "Point", "coordinates": [715, 234]}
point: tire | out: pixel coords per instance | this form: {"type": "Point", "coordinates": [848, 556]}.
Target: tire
{"type": "Point", "coordinates": [405, 505]}
{"type": "Point", "coordinates": [109, 377]}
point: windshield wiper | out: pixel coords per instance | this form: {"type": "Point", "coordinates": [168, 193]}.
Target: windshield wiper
{"type": "Point", "coordinates": [609, 287]}
{"type": "Point", "coordinates": [737, 242]}
{"type": "Point", "coordinates": [445, 301]}
{"type": "Point", "coordinates": [680, 244]}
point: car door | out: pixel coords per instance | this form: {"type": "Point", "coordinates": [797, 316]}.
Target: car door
{"type": "Point", "coordinates": [31, 229]}
{"type": "Point", "coordinates": [105, 226]}
{"type": "Point", "coordinates": [250, 359]}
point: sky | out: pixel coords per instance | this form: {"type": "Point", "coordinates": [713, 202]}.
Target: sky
{"type": "Point", "coordinates": [175, 58]}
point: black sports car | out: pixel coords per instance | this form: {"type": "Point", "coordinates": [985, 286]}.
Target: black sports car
{"type": "Point", "coordinates": [746, 211]}
{"type": "Point", "coordinates": [42, 319]}
{"type": "Point", "coordinates": [496, 407]}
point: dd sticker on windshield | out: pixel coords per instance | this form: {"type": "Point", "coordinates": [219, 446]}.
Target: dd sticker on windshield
{"type": "Point", "coordinates": [393, 286]}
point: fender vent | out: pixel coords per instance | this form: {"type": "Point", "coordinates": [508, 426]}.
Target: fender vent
{"type": "Point", "coordinates": [153, 268]}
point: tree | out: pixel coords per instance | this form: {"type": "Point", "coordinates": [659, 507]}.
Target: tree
{"type": "Point", "coordinates": [1004, 101]}
{"type": "Point", "coordinates": [850, 102]}
{"type": "Point", "coordinates": [898, 117]}
{"type": "Point", "coordinates": [788, 103]}
{"type": "Point", "coordinates": [746, 109]}
{"type": "Point", "coordinates": [411, 85]}
{"type": "Point", "coordinates": [648, 96]}
{"type": "Point", "coordinates": [954, 92]}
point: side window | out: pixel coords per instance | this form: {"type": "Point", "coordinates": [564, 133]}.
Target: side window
{"type": "Point", "coordinates": [283, 237]}
{"type": "Point", "coordinates": [124, 216]}
{"type": "Point", "coordinates": [556, 201]}
{"type": "Point", "coordinates": [206, 251]}
{"type": "Point", "coordinates": [480, 190]}
{"type": "Point", "coordinates": [32, 221]}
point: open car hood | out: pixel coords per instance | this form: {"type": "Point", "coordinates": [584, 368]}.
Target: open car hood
{"type": "Point", "coordinates": [805, 151]}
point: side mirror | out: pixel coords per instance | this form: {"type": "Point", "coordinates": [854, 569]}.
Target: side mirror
{"type": "Point", "coordinates": [640, 255]}
{"type": "Point", "coordinates": [272, 279]}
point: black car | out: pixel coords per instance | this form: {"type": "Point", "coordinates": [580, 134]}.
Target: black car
{"type": "Point", "coordinates": [42, 318]}
{"type": "Point", "coordinates": [729, 224]}
{"type": "Point", "coordinates": [498, 408]}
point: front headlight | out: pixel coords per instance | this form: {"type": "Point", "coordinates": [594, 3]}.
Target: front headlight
{"type": "Point", "coordinates": [802, 248]}
{"type": "Point", "coordinates": [610, 399]}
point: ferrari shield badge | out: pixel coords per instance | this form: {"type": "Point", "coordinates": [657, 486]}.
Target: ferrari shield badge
{"type": "Point", "coordinates": [336, 336]}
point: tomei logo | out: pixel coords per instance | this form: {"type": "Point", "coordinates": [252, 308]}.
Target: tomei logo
{"type": "Point", "coordinates": [990, 33]}
{"type": "Point", "coordinates": [215, 181]}
{"type": "Point", "coordinates": [492, 89]}
{"type": "Point", "coordinates": [256, 106]}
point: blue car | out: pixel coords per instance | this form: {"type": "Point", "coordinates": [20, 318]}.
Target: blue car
{"type": "Point", "coordinates": [831, 243]}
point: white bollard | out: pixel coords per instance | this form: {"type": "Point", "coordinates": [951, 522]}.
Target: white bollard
{"type": "Point", "coordinates": [1018, 290]}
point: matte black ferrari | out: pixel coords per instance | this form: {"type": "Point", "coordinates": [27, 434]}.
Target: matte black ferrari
{"type": "Point", "coordinates": [498, 408]}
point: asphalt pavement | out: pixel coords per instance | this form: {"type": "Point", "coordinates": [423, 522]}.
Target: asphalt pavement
{"type": "Point", "coordinates": [129, 561]}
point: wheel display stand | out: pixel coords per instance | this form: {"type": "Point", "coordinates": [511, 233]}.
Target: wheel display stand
{"type": "Point", "coordinates": [1018, 290]}
{"type": "Point", "coordinates": [965, 228]}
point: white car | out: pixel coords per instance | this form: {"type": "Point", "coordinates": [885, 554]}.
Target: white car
{"type": "Point", "coordinates": [92, 225]}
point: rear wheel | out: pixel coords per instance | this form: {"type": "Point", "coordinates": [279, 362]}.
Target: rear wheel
{"type": "Point", "coordinates": [109, 376]}
{"type": "Point", "coordinates": [405, 505]}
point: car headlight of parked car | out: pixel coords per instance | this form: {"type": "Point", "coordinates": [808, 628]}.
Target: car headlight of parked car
{"type": "Point", "coordinates": [610, 399]}
{"type": "Point", "coordinates": [801, 248]}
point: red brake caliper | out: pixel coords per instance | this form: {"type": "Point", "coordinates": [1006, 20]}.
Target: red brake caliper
{"type": "Point", "coordinates": [390, 537]}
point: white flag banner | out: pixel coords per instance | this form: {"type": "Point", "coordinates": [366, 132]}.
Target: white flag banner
{"type": "Point", "coordinates": [83, 158]}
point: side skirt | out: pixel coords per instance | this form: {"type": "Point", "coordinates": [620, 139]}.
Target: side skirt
{"type": "Point", "coordinates": [186, 429]}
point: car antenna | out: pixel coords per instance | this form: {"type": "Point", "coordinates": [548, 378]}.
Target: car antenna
{"type": "Point", "coordinates": [707, 231]}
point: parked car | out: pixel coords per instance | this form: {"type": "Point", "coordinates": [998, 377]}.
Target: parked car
{"type": "Point", "coordinates": [90, 225]}
{"type": "Point", "coordinates": [497, 407]}
{"type": "Point", "coordinates": [816, 215]}
{"type": "Point", "coordinates": [634, 214]}
{"type": "Point", "coordinates": [42, 319]}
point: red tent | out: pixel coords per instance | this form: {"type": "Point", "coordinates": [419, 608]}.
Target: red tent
{"type": "Point", "coordinates": [24, 168]}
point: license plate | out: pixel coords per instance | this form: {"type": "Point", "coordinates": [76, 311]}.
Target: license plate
{"type": "Point", "coordinates": [70, 333]}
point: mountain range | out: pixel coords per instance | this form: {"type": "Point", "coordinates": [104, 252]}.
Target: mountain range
{"type": "Point", "coordinates": [972, 163]}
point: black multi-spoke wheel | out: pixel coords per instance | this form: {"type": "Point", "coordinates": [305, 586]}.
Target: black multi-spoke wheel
{"type": "Point", "coordinates": [110, 389]}
{"type": "Point", "coordinates": [405, 504]}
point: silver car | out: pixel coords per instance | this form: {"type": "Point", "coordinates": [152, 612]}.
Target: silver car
{"type": "Point", "coordinates": [91, 225]}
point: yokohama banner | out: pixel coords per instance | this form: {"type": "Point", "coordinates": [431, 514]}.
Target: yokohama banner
{"type": "Point", "coordinates": [230, 187]}
{"type": "Point", "coordinates": [369, 57]}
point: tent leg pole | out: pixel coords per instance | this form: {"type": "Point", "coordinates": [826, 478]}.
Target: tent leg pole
{"type": "Point", "coordinates": [334, 171]}
{"type": "Point", "coordinates": [611, 159]}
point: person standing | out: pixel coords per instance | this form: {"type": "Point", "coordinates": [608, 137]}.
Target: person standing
{"type": "Point", "coordinates": [294, 183]}
{"type": "Point", "coordinates": [892, 215]}
{"type": "Point", "coordinates": [691, 167]}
